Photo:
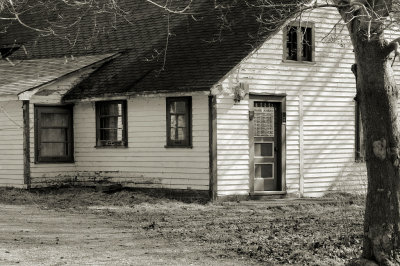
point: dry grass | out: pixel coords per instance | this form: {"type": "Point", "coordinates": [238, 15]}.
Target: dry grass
{"type": "Point", "coordinates": [306, 233]}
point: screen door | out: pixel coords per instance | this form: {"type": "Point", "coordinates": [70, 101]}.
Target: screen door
{"type": "Point", "coordinates": [266, 131]}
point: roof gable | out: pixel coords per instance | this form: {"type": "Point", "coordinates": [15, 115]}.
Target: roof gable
{"type": "Point", "coordinates": [199, 52]}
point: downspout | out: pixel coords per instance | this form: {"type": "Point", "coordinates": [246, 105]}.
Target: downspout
{"type": "Point", "coordinates": [26, 144]}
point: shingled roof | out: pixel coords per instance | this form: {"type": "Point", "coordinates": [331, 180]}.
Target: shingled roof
{"type": "Point", "coordinates": [161, 51]}
{"type": "Point", "coordinates": [21, 75]}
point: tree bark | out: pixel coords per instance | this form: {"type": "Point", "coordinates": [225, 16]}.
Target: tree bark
{"type": "Point", "coordinates": [378, 96]}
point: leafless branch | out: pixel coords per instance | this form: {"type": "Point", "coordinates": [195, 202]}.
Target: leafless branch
{"type": "Point", "coordinates": [173, 11]}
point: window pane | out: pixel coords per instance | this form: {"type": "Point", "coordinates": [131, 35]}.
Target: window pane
{"type": "Point", "coordinates": [180, 136]}
{"type": "Point", "coordinates": [173, 134]}
{"type": "Point", "coordinates": [120, 122]}
{"type": "Point", "coordinates": [264, 170]}
{"type": "Point", "coordinates": [111, 122]}
{"type": "Point", "coordinates": [181, 121]}
{"type": "Point", "coordinates": [306, 43]}
{"type": "Point", "coordinates": [111, 109]}
{"type": "Point", "coordinates": [173, 121]}
{"type": "Point", "coordinates": [53, 134]}
{"type": "Point", "coordinates": [180, 107]}
{"type": "Point", "coordinates": [53, 120]}
{"type": "Point", "coordinates": [53, 149]}
{"type": "Point", "coordinates": [120, 129]}
{"type": "Point", "coordinates": [181, 133]}
{"type": "Point", "coordinates": [172, 108]}
{"type": "Point", "coordinates": [291, 45]}
{"type": "Point", "coordinates": [263, 149]}
{"type": "Point", "coordinates": [111, 134]}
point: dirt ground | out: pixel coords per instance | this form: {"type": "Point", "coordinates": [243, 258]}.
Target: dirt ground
{"type": "Point", "coordinates": [34, 236]}
{"type": "Point", "coordinates": [85, 227]}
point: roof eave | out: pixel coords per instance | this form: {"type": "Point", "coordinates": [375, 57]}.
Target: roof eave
{"type": "Point", "coordinates": [155, 93]}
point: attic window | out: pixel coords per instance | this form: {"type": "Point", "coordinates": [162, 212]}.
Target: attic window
{"type": "Point", "coordinates": [7, 51]}
{"type": "Point", "coordinates": [298, 42]}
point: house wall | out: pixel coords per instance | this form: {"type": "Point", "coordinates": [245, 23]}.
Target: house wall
{"type": "Point", "coordinates": [11, 144]}
{"type": "Point", "coordinates": [320, 128]}
{"type": "Point", "coordinates": [145, 162]}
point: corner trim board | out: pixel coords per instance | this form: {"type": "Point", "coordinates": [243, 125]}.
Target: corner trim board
{"type": "Point", "coordinates": [301, 144]}
{"type": "Point", "coordinates": [26, 144]}
{"type": "Point", "coordinates": [212, 131]}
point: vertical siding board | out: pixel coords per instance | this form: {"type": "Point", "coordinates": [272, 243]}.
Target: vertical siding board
{"type": "Point", "coordinates": [301, 145]}
{"type": "Point", "coordinates": [26, 144]}
{"type": "Point", "coordinates": [212, 130]}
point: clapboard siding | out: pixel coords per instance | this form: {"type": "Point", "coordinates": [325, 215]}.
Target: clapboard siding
{"type": "Point", "coordinates": [11, 144]}
{"type": "Point", "coordinates": [232, 139]}
{"type": "Point", "coordinates": [328, 133]}
{"type": "Point", "coordinates": [145, 162]}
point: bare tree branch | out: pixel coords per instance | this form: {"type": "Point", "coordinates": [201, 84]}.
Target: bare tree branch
{"type": "Point", "coordinates": [174, 11]}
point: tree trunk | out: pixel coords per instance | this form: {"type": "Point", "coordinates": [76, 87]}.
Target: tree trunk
{"type": "Point", "coordinates": [378, 95]}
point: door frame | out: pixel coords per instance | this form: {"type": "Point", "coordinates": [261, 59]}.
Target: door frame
{"type": "Point", "coordinates": [281, 100]}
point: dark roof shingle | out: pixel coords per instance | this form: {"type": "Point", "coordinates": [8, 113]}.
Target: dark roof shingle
{"type": "Point", "coordinates": [202, 47]}
{"type": "Point", "coordinates": [27, 74]}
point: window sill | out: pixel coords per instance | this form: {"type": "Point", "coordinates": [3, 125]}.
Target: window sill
{"type": "Point", "coordinates": [54, 162]}
{"type": "Point", "coordinates": [110, 147]}
{"type": "Point", "coordinates": [294, 62]}
{"type": "Point", "coordinates": [178, 147]}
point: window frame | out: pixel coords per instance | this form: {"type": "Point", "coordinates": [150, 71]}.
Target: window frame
{"type": "Point", "coordinates": [299, 25]}
{"type": "Point", "coordinates": [98, 104]}
{"type": "Point", "coordinates": [359, 137]}
{"type": "Point", "coordinates": [188, 119]}
{"type": "Point", "coordinates": [38, 110]}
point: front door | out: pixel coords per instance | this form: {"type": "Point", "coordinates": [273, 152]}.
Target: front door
{"type": "Point", "coordinates": [265, 122]}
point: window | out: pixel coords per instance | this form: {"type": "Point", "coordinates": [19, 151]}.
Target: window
{"type": "Point", "coordinates": [179, 122]}
{"type": "Point", "coordinates": [291, 43]}
{"type": "Point", "coordinates": [111, 124]}
{"type": "Point", "coordinates": [298, 42]}
{"type": "Point", "coordinates": [53, 134]}
{"type": "Point", "coordinates": [360, 144]}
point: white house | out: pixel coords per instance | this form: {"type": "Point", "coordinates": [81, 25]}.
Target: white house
{"type": "Point", "coordinates": [212, 116]}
